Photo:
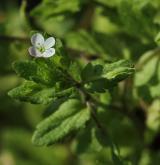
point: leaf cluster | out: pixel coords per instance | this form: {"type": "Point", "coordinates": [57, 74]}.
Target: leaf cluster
{"type": "Point", "coordinates": [49, 80]}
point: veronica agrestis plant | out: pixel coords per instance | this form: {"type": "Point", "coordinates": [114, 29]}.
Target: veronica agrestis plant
{"type": "Point", "coordinates": [96, 33]}
{"type": "Point", "coordinates": [73, 92]}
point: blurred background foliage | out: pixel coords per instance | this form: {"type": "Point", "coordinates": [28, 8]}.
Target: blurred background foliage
{"type": "Point", "coordinates": [90, 29]}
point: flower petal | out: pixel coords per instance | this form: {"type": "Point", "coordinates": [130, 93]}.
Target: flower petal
{"type": "Point", "coordinates": [49, 42]}
{"type": "Point", "coordinates": [37, 39]}
{"type": "Point", "coordinates": [48, 53]}
{"type": "Point", "coordinates": [34, 52]}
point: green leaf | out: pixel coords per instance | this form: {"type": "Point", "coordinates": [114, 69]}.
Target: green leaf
{"type": "Point", "coordinates": [37, 71]}
{"type": "Point", "coordinates": [54, 106]}
{"type": "Point", "coordinates": [116, 71]}
{"type": "Point", "coordinates": [119, 70]}
{"type": "Point", "coordinates": [38, 94]}
{"type": "Point", "coordinates": [70, 116]}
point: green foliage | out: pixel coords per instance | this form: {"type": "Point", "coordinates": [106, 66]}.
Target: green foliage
{"type": "Point", "coordinates": [70, 116]}
{"type": "Point", "coordinates": [38, 94]}
{"type": "Point", "coordinates": [114, 72]}
{"type": "Point", "coordinates": [37, 71]}
{"type": "Point", "coordinates": [86, 93]}
{"type": "Point", "coordinates": [102, 76]}
{"type": "Point", "coordinates": [49, 80]}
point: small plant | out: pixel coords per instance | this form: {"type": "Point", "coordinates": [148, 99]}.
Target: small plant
{"type": "Point", "coordinates": [73, 92]}
{"type": "Point", "coordinates": [93, 69]}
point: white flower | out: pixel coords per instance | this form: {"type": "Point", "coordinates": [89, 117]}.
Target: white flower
{"type": "Point", "coordinates": [41, 47]}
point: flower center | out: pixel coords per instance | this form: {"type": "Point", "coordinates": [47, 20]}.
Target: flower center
{"type": "Point", "coordinates": [41, 49]}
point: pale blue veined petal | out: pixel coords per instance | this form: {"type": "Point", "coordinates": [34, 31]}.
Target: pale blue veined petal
{"type": "Point", "coordinates": [37, 40]}
{"type": "Point", "coordinates": [48, 53]}
{"type": "Point", "coordinates": [33, 51]}
{"type": "Point", "coordinates": [49, 42]}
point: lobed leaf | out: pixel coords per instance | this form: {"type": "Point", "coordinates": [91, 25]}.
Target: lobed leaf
{"type": "Point", "coordinates": [114, 72]}
{"type": "Point", "coordinates": [37, 71]}
{"type": "Point", "coordinates": [38, 94]}
{"type": "Point", "coordinates": [70, 116]}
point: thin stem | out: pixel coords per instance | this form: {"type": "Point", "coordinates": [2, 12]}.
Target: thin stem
{"type": "Point", "coordinates": [97, 122]}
